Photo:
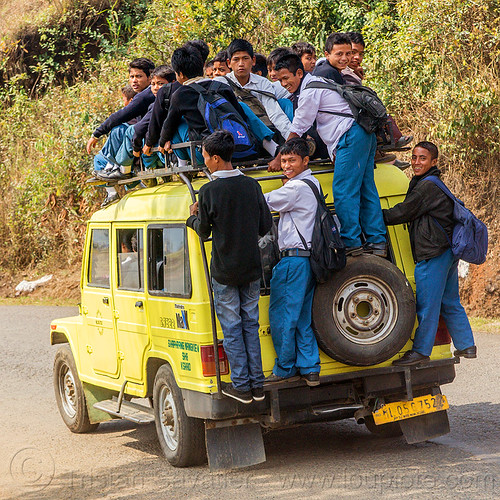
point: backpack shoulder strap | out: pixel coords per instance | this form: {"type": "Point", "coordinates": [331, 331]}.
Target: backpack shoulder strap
{"type": "Point", "coordinates": [200, 89]}
{"type": "Point", "coordinates": [441, 185]}
{"type": "Point", "coordinates": [324, 84]}
{"type": "Point", "coordinates": [317, 192]}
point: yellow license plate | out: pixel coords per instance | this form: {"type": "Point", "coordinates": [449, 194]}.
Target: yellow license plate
{"type": "Point", "coordinates": [392, 412]}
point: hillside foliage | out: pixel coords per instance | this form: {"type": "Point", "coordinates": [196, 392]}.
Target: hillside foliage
{"type": "Point", "coordinates": [434, 62]}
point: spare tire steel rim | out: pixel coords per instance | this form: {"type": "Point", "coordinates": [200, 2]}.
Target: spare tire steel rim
{"type": "Point", "coordinates": [365, 310]}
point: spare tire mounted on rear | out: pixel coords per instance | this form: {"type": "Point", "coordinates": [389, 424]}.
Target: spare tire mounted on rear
{"type": "Point", "coordinates": [365, 313]}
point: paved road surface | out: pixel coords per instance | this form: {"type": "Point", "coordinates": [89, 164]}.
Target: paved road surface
{"type": "Point", "coordinates": [40, 458]}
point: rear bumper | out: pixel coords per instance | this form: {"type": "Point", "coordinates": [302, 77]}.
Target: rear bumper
{"type": "Point", "coordinates": [338, 396]}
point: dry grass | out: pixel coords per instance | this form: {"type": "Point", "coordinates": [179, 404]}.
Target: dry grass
{"type": "Point", "coordinates": [15, 13]}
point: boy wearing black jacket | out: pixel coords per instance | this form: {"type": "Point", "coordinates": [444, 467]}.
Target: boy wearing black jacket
{"type": "Point", "coordinates": [429, 212]}
{"type": "Point", "coordinates": [232, 208]}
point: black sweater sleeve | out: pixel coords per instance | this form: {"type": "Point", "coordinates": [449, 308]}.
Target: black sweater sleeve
{"type": "Point", "coordinates": [173, 119]}
{"type": "Point", "coordinates": [140, 129]}
{"type": "Point", "coordinates": [201, 223]}
{"type": "Point", "coordinates": [137, 108]}
{"type": "Point", "coordinates": [160, 112]}
{"type": "Point", "coordinates": [326, 70]}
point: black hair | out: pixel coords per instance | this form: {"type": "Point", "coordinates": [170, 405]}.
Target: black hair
{"type": "Point", "coordinates": [128, 91]}
{"type": "Point", "coordinates": [260, 65]}
{"type": "Point", "coordinates": [276, 54]}
{"type": "Point", "coordinates": [356, 38]}
{"type": "Point", "coordinates": [239, 45]}
{"type": "Point", "coordinates": [291, 62]}
{"type": "Point", "coordinates": [144, 64]}
{"type": "Point", "coordinates": [295, 146]}
{"type": "Point", "coordinates": [188, 61]}
{"type": "Point", "coordinates": [201, 46]}
{"type": "Point", "coordinates": [221, 56]}
{"type": "Point", "coordinates": [164, 71]}
{"type": "Point", "coordinates": [337, 39]}
{"type": "Point", "coordinates": [209, 64]}
{"type": "Point", "coordinates": [301, 48]}
{"type": "Point", "coordinates": [430, 146]}
{"type": "Point", "coordinates": [220, 143]}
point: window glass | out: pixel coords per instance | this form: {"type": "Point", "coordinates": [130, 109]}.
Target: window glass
{"type": "Point", "coordinates": [169, 265]}
{"type": "Point", "coordinates": [99, 258]}
{"type": "Point", "coordinates": [129, 244]}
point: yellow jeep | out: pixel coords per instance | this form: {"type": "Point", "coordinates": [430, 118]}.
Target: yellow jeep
{"type": "Point", "coordinates": [147, 329]}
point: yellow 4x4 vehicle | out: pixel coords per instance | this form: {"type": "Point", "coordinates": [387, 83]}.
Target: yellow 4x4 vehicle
{"type": "Point", "coordinates": [147, 329]}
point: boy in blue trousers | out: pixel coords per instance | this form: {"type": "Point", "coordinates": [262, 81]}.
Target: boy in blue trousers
{"type": "Point", "coordinates": [429, 212]}
{"type": "Point", "coordinates": [292, 284]}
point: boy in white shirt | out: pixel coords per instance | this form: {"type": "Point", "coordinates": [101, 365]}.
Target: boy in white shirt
{"type": "Point", "coordinates": [292, 284]}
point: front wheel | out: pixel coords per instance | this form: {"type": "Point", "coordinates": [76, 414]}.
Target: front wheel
{"type": "Point", "coordinates": [69, 393]}
{"type": "Point", "coordinates": [182, 438]}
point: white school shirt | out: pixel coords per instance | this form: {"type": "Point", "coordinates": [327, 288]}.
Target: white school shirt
{"type": "Point", "coordinates": [274, 112]}
{"type": "Point", "coordinates": [296, 203]}
{"type": "Point", "coordinates": [330, 127]}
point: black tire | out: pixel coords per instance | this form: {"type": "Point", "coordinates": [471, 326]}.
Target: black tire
{"type": "Point", "coordinates": [182, 438]}
{"type": "Point", "coordinates": [365, 313]}
{"type": "Point", "coordinates": [392, 429]}
{"type": "Point", "coordinates": [69, 393]}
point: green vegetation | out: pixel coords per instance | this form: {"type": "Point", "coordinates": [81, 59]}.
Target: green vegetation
{"type": "Point", "coordinates": [435, 63]}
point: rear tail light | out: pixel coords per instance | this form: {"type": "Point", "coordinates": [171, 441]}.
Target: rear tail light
{"type": "Point", "coordinates": [442, 334]}
{"type": "Point", "coordinates": [208, 361]}
{"type": "Point", "coordinates": [53, 327]}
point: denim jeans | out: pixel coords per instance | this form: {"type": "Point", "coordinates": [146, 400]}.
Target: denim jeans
{"type": "Point", "coordinates": [290, 311]}
{"type": "Point", "coordinates": [111, 147]}
{"type": "Point", "coordinates": [436, 280]}
{"type": "Point", "coordinates": [237, 309]}
{"type": "Point", "coordinates": [354, 192]}
{"type": "Point", "coordinates": [125, 154]}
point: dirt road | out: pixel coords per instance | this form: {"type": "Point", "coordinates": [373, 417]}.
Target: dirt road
{"type": "Point", "coordinates": [40, 458]}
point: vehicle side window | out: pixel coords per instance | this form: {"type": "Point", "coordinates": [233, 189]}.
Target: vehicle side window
{"type": "Point", "coordinates": [98, 269]}
{"type": "Point", "coordinates": [168, 261]}
{"type": "Point", "coordinates": [130, 260]}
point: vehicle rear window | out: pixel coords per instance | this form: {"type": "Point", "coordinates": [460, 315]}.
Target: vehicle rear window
{"type": "Point", "coordinates": [130, 259]}
{"type": "Point", "coordinates": [98, 269]}
{"type": "Point", "coordinates": [168, 261]}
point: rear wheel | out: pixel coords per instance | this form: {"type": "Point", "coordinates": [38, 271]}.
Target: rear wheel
{"type": "Point", "coordinates": [365, 313]}
{"type": "Point", "coordinates": [182, 438]}
{"type": "Point", "coordinates": [69, 393]}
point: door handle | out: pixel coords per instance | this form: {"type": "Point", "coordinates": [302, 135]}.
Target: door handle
{"type": "Point", "coordinates": [105, 300]}
{"type": "Point", "coordinates": [139, 304]}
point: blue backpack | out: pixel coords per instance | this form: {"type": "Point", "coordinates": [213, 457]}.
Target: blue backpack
{"type": "Point", "coordinates": [469, 240]}
{"type": "Point", "coordinates": [220, 114]}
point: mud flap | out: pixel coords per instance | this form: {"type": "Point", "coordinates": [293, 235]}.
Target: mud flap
{"type": "Point", "coordinates": [232, 446]}
{"type": "Point", "coordinates": [424, 427]}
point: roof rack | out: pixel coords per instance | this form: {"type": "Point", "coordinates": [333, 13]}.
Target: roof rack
{"type": "Point", "coordinates": [172, 168]}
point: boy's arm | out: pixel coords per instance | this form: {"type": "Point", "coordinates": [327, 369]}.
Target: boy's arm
{"type": "Point", "coordinates": [138, 107]}
{"type": "Point", "coordinates": [282, 199]}
{"type": "Point", "coordinates": [201, 222]}
{"type": "Point", "coordinates": [408, 210]}
{"type": "Point", "coordinates": [140, 130]}
{"type": "Point", "coordinates": [273, 109]}
{"type": "Point", "coordinates": [172, 121]}
{"type": "Point", "coordinates": [306, 112]}
{"type": "Point", "coordinates": [266, 219]}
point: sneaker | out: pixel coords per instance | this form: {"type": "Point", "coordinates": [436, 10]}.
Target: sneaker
{"type": "Point", "coordinates": [110, 199]}
{"type": "Point", "coordinates": [114, 175]}
{"type": "Point", "coordinates": [241, 396]}
{"type": "Point", "coordinates": [385, 158]}
{"type": "Point", "coordinates": [274, 378]}
{"type": "Point", "coordinates": [258, 394]}
{"type": "Point", "coordinates": [311, 378]}
{"type": "Point", "coordinates": [354, 251]}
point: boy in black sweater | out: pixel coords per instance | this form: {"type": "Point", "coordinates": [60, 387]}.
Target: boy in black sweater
{"type": "Point", "coordinates": [338, 54]}
{"type": "Point", "coordinates": [233, 209]}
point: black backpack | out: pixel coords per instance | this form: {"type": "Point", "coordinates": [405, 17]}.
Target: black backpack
{"type": "Point", "coordinates": [366, 107]}
{"type": "Point", "coordinates": [327, 247]}
{"type": "Point", "coordinates": [220, 114]}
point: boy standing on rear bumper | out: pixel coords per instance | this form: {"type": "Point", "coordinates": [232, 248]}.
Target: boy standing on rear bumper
{"type": "Point", "coordinates": [429, 212]}
{"type": "Point", "coordinates": [292, 284]}
{"type": "Point", "coordinates": [233, 209]}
